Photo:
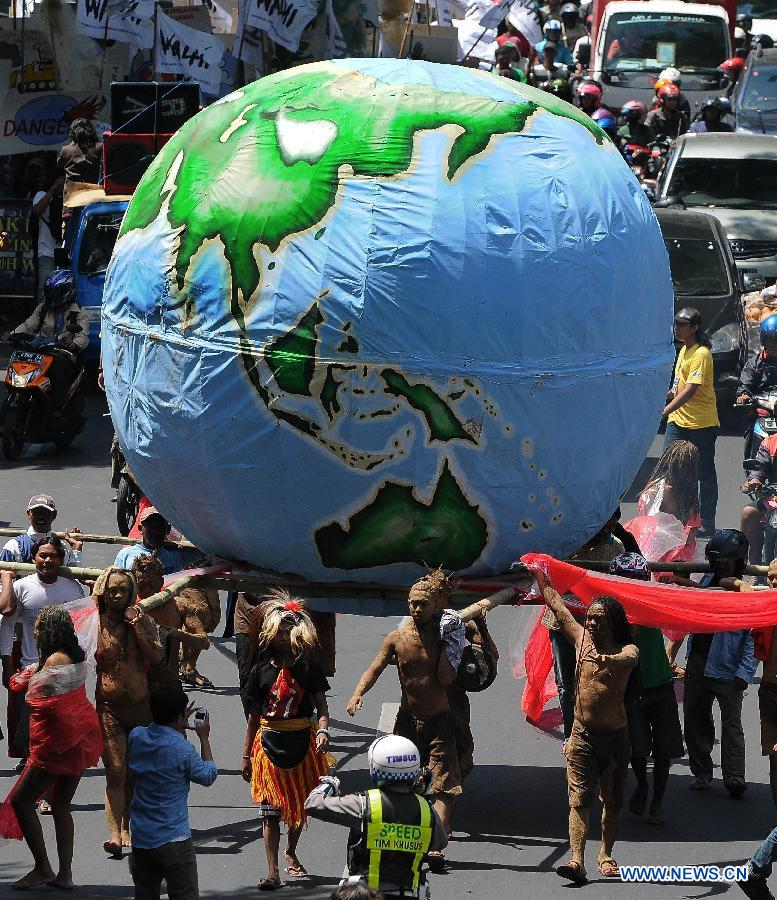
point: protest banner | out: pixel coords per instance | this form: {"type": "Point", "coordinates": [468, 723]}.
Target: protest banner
{"type": "Point", "coordinates": [282, 20]}
{"type": "Point", "coordinates": [17, 254]}
{"type": "Point", "coordinates": [180, 50]}
{"type": "Point", "coordinates": [121, 20]}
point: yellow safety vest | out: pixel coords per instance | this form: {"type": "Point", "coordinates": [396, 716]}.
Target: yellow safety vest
{"type": "Point", "coordinates": [396, 837]}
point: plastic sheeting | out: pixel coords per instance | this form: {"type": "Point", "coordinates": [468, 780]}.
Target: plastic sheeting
{"type": "Point", "coordinates": [369, 315]}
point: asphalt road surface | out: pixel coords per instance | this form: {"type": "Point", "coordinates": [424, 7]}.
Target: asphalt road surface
{"type": "Point", "coordinates": [511, 823]}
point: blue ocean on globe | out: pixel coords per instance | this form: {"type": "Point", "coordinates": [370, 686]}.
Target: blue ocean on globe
{"type": "Point", "coordinates": [370, 316]}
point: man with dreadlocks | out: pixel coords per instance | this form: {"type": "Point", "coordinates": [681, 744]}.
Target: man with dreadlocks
{"type": "Point", "coordinates": [427, 652]}
{"type": "Point", "coordinates": [284, 757]}
{"type": "Point", "coordinates": [598, 749]}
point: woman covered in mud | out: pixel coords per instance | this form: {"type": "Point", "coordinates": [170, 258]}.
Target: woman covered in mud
{"type": "Point", "coordinates": [284, 754]}
{"type": "Point", "coordinates": [127, 646]}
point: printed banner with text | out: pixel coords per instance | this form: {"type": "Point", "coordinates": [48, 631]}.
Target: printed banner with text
{"type": "Point", "coordinates": [181, 50]}
{"type": "Point", "coordinates": [117, 20]}
{"type": "Point", "coordinates": [282, 20]}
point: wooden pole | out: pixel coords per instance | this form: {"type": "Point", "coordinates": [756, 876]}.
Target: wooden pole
{"type": "Point", "coordinates": [101, 538]}
{"type": "Point", "coordinates": [506, 595]}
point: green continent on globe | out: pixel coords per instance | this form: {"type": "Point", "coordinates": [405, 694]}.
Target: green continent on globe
{"type": "Point", "coordinates": [397, 528]}
{"type": "Point", "coordinates": [440, 419]}
{"type": "Point", "coordinates": [292, 356]}
{"type": "Point", "coordinates": [283, 142]}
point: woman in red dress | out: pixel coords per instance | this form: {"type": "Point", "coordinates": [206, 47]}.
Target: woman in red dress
{"type": "Point", "coordinates": [65, 739]}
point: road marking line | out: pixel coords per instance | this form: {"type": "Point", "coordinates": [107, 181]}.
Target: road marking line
{"type": "Point", "coordinates": [388, 715]}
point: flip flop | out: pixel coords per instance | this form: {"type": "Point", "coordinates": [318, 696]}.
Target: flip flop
{"type": "Point", "coordinates": [112, 848]}
{"type": "Point", "coordinates": [269, 884]}
{"type": "Point", "coordinates": [200, 680]}
{"type": "Point", "coordinates": [44, 807]}
{"type": "Point", "coordinates": [298, 871]}
{"type": "Point", "coordinates": [572, 871]}
{"type": "Point", "coordinates": [435, 860]}
{"type": "Point", "coordinates": [609, 868]}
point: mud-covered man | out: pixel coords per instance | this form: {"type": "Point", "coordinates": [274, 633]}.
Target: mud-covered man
{"type": "Point", "coordinates": [598, 749]}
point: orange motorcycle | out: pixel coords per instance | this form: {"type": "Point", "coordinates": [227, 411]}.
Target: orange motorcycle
{"type": "Point", "coordinates": [28, 413]}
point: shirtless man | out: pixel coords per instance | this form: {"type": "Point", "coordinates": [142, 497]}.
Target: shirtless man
{"type": "Point", "coordinates": [598, 749]}
{"type": "Point", "coordinates": [127, 641]}
{"type": "Point", "coordinates": [425, 674]}
{"type": "Point", "coordinates": [172, 618]}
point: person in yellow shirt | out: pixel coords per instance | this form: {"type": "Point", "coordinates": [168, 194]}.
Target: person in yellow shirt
{"type": "Point", "coordinates": [692, 409]}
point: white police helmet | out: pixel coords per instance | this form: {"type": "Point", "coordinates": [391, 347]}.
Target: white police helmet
{"type": "Point", "coordinates": [393, 758]}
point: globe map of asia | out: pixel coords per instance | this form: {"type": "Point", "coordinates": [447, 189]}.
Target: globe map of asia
{"type": "Point", "coordinates": [369, 316]}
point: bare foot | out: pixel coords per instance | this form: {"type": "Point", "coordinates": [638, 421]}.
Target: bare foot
{"type": "Point", "coordinates": [62, 883]}
{"type": "Point", "coordinates": [33, 879]}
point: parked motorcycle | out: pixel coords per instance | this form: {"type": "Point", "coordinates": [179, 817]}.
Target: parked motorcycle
{"type": "Point", "coordinates": [27, 411]}
{"type": "Point", "coordinates": [128, 493]}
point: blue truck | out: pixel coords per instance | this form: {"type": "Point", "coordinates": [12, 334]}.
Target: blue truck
{"type": "Point", "coordinates": [93, 242]}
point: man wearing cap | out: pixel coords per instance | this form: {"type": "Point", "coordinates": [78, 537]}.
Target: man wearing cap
{"type": "Point", "coordinates": [41, 511]}
{"type": "Point", "coordinates": [154, 528]}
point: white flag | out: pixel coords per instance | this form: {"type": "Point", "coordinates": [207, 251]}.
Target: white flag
{"type": "Point", "coordinates": [283, 20]}
{"type": "Point", "coordinates": [444, 15]}
{"type": "Point", "coordinates": [127, 20]}
{"type": "Point", "coordinates": [494, 16]}
{"type": "Point", "coordinates": [523, 16]}
{"type": "Point", "coordinates": [248, 41]}
{"type": "Point", "coordinates": [220, 19]}
{"type": "Point", "coordinates": [181, 50]}
{"type": "Point", "coordinates": [335, 42]}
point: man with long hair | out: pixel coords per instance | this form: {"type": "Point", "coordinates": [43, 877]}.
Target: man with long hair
{"type": "Point", "coordinates": [598, 749]}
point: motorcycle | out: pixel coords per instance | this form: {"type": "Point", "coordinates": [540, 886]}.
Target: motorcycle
{"type": "Point", "coordinates": [765, 499]}
{"type": "Point", "coordinates": [128, 493]}
{"type": "Point", "coordinates": [764, 422]}
{"type": "Point", "coordinates": [27, 410]}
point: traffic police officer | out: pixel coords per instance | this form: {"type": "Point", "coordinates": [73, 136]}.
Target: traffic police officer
{"type": "Point", "coordinates": [392, 828]}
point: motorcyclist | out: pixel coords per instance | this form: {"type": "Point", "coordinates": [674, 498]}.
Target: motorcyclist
{"type": "Point", "coordinates": [731, 69]}
{"type": "Point", "coordinates": [53, 318]}
{"type": "Point", "coordinates": [759, 376]}
{"type": "Point", "coordinates": [552, 32]}
{"type": "Point", "coordinates": [392, 828]}
{"type": "Point", "coordinates": [674, 76]}
{"type": "Point", "coordinates": [508, 62]}
{"type": "Point", "coordinates": [606, 121]}
{"type": "Point", "coordinates": [588, 96]}
{"type": "Point", "coordinates": [634, 130]}
{"type": "Point", "coordinates": [668, 120]}
{"type": "Point", "coordinates": [745, 22]}
{"type": "Point", "coordinates": [762, 472]}
{"type": "Point", "coordinates": [572, 28]}
{"type": "Point", "coordinates": [557, 86]}
{"type": "Point", "coordinates": [711, 111]}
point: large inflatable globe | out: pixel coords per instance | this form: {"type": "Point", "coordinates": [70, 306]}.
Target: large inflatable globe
{"type": "Point", "coordinates": [374, 315]}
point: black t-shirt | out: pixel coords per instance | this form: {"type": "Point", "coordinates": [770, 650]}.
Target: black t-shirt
{"type": "Point", "coordinates": [285, 698]}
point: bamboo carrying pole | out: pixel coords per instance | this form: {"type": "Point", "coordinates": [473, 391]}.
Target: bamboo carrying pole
{"type": "Point", "coordinates": [100, 538]}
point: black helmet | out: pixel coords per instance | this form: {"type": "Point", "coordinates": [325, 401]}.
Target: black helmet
{"type": "Point", "coordinates": [725, 105]}
{"type": "Point", "coordinates": [569, 12]}
{"type": "Point", "coordinates": [727, 545]}
{"type": "Point", "coordinates": [59, 289]}
{"type": "Point", "coordinates": [764, 41]}
{"type": "Point", "coordinates": [711, 103]}
{"type": "Point", "coordinates": [742, 18]}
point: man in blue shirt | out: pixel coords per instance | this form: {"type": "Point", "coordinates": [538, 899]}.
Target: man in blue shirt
{"type": "Point", "coordinates": [154, 528]}
{"type": "Point", "coordinates": [163, 764]}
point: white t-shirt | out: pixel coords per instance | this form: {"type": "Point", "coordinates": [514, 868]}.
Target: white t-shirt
{"type": "Point", "coordinates": [46, 242]}
{"type": "Point", "coordinates": [31, 596]}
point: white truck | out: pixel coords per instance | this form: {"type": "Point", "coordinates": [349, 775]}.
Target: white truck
{"type": "Point", "coordinates": [633, 40]}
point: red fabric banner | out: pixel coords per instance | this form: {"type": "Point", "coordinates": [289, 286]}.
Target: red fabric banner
{"type": "Point", "coordinates": [662, 606]}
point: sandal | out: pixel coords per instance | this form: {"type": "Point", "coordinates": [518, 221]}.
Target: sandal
{"type": "Point", "coordinates": [269, 884]}
{"type": "Point", "coordinates": [436, 860]}
{"type": "Point", "coordinates": [677, 671]}
{"type": "Point", "coordinates": [44, 807]}
{"type": "Point", "coordinates": [112, 848]}
{"type": "Point", "coordinates": [572, 871]}
{"type": "Point", "coordinates": [298, 871]}
{"type": "Point", "coordinates": [609, 868]}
